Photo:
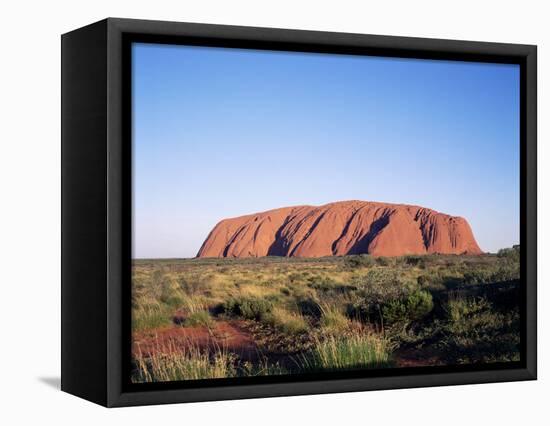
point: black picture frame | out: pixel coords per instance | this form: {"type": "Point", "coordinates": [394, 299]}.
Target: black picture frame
{"type": "Point", "coordinates": [96, 210]}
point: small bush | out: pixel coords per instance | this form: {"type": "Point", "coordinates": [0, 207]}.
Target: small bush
{"type": "Point", "coordinates": [461, 310]}
{"type": "Point", "coordinates": [248, 307]}
{"type": "Point", "coordinates": [431, 279]}
{"type": "Point", "coordinates": [510, 254]}
{"type": "Point", "coordinates": [309, 307]}
{"type": "Point", "coordinates": [402, 309]}
{"type": "Point", "coordinates": [506, 273]}
{"type": "Point", "coordinates": [419, 304]}
{"type": "Point", "coordinates": [475, 332]}
{"type": "Point", "coordinates": [379, 277]}
{"type": "Point", "coordinates": [381, 285]}
{"type": "Point", "coordinates": [411, 308]}
{"type": "Point", "coordinates": [359, 311]}
{"type": "Point", "coordinates": [359, 261]}
{"type": "Point", "coordinates": [395, 311]}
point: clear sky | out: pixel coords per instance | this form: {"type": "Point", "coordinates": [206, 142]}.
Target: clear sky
{"type": "Point", "coordinates": [223, 132]}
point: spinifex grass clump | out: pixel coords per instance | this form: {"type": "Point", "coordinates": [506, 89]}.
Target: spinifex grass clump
{"type": "Point", "coordinates": [332, 320]}
{"type": "Point", "coordinates": [287, 322]}
{"type": "Point", "coordinates": [358, 350]}
{"type": "Point", "coordinates": [172, 363]}
{"type": "Point", "coordinates": [151, 316]}
{"type": "Point", "coordinates": [187, 364]}
{"type": "Point", "coordinates": [199, 318]}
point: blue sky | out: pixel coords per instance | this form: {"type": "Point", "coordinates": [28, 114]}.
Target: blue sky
{"type": "Point", "coordinates": [223, 132]}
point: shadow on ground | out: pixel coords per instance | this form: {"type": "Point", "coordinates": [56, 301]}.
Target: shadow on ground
{"type": "Point", "coordinates": [54, 382]}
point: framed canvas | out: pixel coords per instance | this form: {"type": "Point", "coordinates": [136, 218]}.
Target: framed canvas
{"type": "Point", "coordinates": [255, 212]}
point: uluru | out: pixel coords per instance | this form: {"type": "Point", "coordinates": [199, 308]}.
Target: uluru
{"type": "Point", "coordinates": [341, 228]}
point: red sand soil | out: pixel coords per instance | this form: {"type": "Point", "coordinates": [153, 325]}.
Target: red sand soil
{"type": "Point", "coordinates": [335, 229]}
{"type": "Point", "coordinates": [234, 337]}
{"type": "Point", "coordinates": [417, 358]}
{"type": "Point", "coordinates": [228, 335]}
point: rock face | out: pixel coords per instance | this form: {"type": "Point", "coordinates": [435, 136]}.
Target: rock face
{"type": "Point", "coordinates": [335, 229]}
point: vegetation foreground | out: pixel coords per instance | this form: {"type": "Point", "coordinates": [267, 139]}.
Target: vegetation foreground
{"type": "Point", "coordinates": [217, 318]}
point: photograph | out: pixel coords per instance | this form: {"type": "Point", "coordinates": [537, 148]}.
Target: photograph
{"type": "Point", "coordinates": [297, 213]}
{"type": "Point", "coordinates": [286, 212]}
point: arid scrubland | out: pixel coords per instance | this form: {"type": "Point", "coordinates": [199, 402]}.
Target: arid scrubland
{"type": "Point", "coordinates": [217, 318]}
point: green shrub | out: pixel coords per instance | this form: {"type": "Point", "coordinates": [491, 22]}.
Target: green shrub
{"type": "Point", "coordinates": [413, 307]}
{"type": "Point", "coordinates": [476, 332]}
{"type": "Point", "coordinates": [510, 254]}
{"type": "Point", "coordinates": [377, 277]}
{"type": "Point", "coordinates": [419, 304]}
{"type": "Point", "coordinates": [506, 273]}
{"type": "Point", "coordinates": [381, 285]}
{"type": "Point", "coordinates": [461, 310]}
{"type": "Point", "coordinates": [248, 307]}
{"type": "Point", "coordinates": [403, 309]}
{"type": "Point", "coordinates": [431, 279]}
{"type": "Point", "coordinates": [395, 311]}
